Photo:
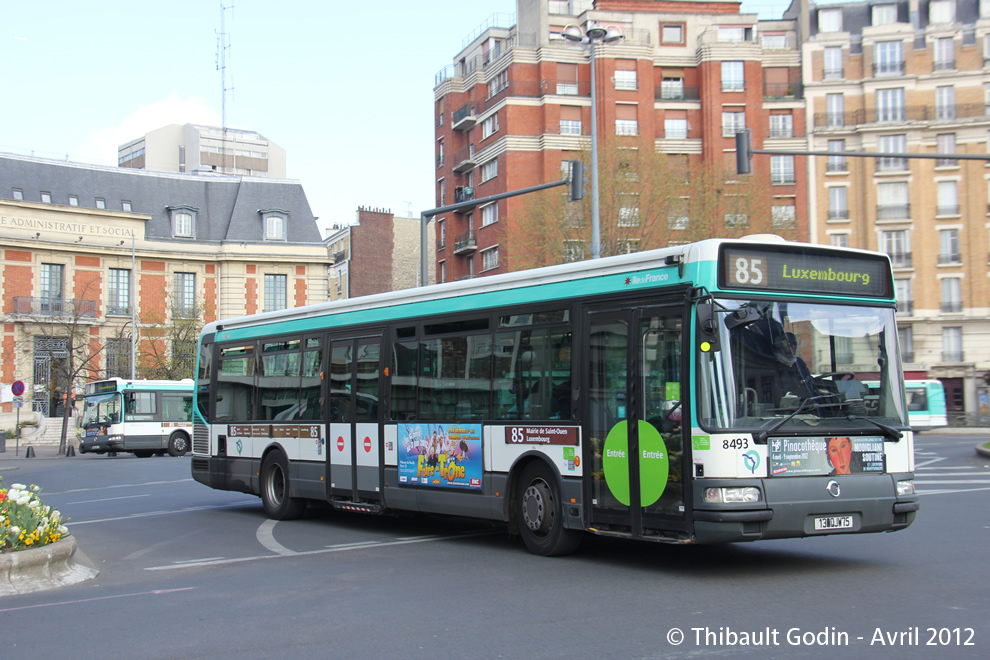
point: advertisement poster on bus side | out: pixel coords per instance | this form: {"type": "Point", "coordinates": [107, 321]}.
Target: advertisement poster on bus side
{"type": "Point", "coordinates": [440, 455]}
{"type": "Point", "coordinates": [790, 457]}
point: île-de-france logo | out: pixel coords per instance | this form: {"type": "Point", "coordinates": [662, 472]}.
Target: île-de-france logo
{"type": "Point", "coordinates": [752, 460]}
{"type": "Point", "coordinates": [240, 446]}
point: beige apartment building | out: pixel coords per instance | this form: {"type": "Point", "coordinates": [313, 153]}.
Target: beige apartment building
{"type": "Point", "coordinates": [909, 77]}
{"type": "Point", "coordinates": [193, 147]}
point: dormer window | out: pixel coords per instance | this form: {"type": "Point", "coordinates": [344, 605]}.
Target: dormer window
{"type": "Point", "coordinates": [183, 221]}
{"type": "Point", "coordinates": [830, 19]}
{"type": "Point", "coordinates": [275, 224]}
{"type": "Point", "coordinates": [941, 12]}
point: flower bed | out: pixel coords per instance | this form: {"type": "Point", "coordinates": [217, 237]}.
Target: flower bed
{"type": "Point", "coordinates": [26, 521]}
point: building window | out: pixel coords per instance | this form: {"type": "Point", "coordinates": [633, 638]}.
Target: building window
{"type": "Point", "coordinates": [275, 292]}
{"type": "Point", "coordinates": [733, 77]}
{"type": "Point", "coordinates": [784, 217]}
{"type": "Point", "coordinates": [441, 234]}
{"type": "Point", "coordinates": [833, 62]}
{"type": "Point", "coordinates": [73, 200]}
{"type": "Point", "coordinates": [732, 34]}
{"type": "Point", "coordinates": [183, 222]}
{"type": "Point", "coordinates": [888, 58]}
{"type": "Point", "coordinates": [839, 240]}
{"type": "Point", "coordinates": [675, 128]}
{"type": "Point", "coordinates": [573, 251]}
{"type": "Point", "coordinates": [897, 246]}
{"type": "Point", "coordinates": [902, 291]}
{"type": "Point", "coordinates": [782, 169]}
{"type": "Point", "coordinates": [837, 163]}
{"type": "Point", "coordinates": [570, 127]}
{"type": "Point", "coordinates": [118, 353]}
{"type": "Point", "coordinates": [625, 74]}
{"type": "Point", "coordinates": [945, 102]}
{"type": "Point", "coordinates": [628, 210]}
{"type": "Point", "coordinates": [952, 345]}
{"type": "Point", "coordinates": [672, 34]}
{"type": "Point", "coordinates": [951, 295]}
{"type": "Point", "coordinates": [18, 194]}
{"type": "Point", "coordinates": [830, 20]}
{"type": "Point", "coordinates": [51, 288]}
{"type": "Point", "coordinates": [892, 201]}
{"type": "Point", "coordinates": [500, 82]}
{"type": "Point", "coordinates": [945, 53]}
{"type": "Point", "coordinates": [948, 246]}
{"type": "Point", "coordinates": [125, 206]}
{"type": "Point", "coordinates": [489, 170]}
{"type": "Point", "coordinates": [489, 127]}
{"type": "Point", "coordinates": [781, 126]}
{"type": "Point", "coordinates": [489, 258]}
{"type": "Point", "coordinates": [891, 144]}
{"type": "Point", "coordinates": [733, 121]}
{"type": "Point", "coordinates": [835, 110]}
{"type": "Point", "coordinates": [672, 88]}
{"type": "Point", "coordinates": [941, 12]}
{"type": "Point", "coordinates": [838, 204]}
{"type": "Point", "coordinates": [46, 197]}
{"type": "Point", "coordinates": [119, 292]}
{"type": "Point", "coordinates": [185, 295]}
{"type": "Point", "coordinates": [890, 104]}
{"type": "Point", "coordinates": [945, 143]}
{"type": "Point", "coordinates": [736, 220]}
{"type": "Point", "coordinates": [440, 156]}
{"type": "Point", "coordinates": [101, 203]}
{"type": "Point", "coordinates": [489, 214]}
{"type": "Point", "coordinates": [626, 127]}
{"type": "Point", "coordinates": [905, 339]}
{"type": "Point", "coordinates": [773, 41]}
{"type": "Point", "coordinates": [275, 226]}
{"type": "Point", "coordinates": [948, 198]}
{"type": "Point", "coordinates": [567, 78]}
{"type": "Point", "coordinates": [884, 14]}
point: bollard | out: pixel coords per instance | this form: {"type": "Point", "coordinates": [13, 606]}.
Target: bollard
{"type": "Point", "coordinates": [29, 452]}
{"type": "Point", "coordinates": [70, 451]}
{"type": "Point", "coordinates": [111, 453]}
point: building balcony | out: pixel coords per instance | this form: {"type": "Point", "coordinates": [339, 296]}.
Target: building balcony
{"type": "Point", "coordinates": [464, 118]}
{"type": "Point", "coordinates": [905, 307]}
{"type": "Point", "coordinates": [54, 308]}
{"type": "Point", "coordinates": [463, 194]}
{"type": "Point", "coordinates": [464, 159]}
{"type": "Point", "coordinates": [900, 114]}
{"type": "Point", "coordinates": [836, 164]}
{"type": "Point", "coordinates": [900, 260]}
{"type": "Point", "coordinates": [118, 310]}
{"type": "Point", "coordinates": [838, 214]}
{"type": "Point", "coordinates": [949, 258]}
{"type": "Point", "coordinates": [947, 209]}
{"type": "Point", "coordinates": [783, 90]}
{"type": "Point", "coordinates": [952, 307]}
{"type": "Point", "coordinates": [944, 65]}
{"type": "Point", "coordinates": [670, 92]}
{"type": "Point", "coordinates": [952, 356]}
{"type": "Point", "coordinates": [893, 212]}
{"type": "Point", "coordinates": [465, 243]}
{"type": "Point", "coordinates": [882, 69]}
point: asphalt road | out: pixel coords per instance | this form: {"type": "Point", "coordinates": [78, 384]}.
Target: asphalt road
{"type": "Point", "coordinates": [188, 572]}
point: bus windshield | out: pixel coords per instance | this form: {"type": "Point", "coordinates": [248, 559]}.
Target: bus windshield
{"type": "Point", "coordinates": [807, 361]}
{"type": "Point", "coordinates": [101, 409]}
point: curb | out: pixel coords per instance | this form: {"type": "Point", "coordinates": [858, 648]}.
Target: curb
{"type": "Point", "coordinates": [981, 451]}
{"type": "Point", "coordinates": [38, 569]}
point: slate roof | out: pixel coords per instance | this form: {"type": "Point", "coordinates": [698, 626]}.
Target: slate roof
{"type": "Point", "coordinates": [227, 207]}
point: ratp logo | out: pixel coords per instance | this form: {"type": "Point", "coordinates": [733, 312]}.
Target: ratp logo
{"type": "Point", "coordinates": [752, 461]}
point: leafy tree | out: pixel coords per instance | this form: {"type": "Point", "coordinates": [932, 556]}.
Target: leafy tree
{"type": "Point", "coordinates": [169, 340]}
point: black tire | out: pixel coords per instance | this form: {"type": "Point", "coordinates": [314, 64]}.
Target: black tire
{"type": "Point", "coordinates": [540, 513]}
{"type": "Point", "coordinates": [178, 444]}
{"type": "Point", "coordinates": [275, 489]}
{"type": "Point", "coordinates": [143, 453]}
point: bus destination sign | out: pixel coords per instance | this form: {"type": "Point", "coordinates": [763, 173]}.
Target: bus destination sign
{"type": "Point", "coordinates": [805, 270]}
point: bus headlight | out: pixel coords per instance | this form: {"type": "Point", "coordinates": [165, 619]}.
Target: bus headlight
{"type": "Point", "coordinates": [115, 438]}
{"type": "Point", "coordinates": [745, 494]}
{"type": "Point", "coordinates": [905, 487]}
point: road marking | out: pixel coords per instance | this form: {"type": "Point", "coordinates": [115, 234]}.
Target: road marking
{"type": "Point", "coordinates": [86, 490]}
{"type": "Point", "coordinates": [956, 490]}
{"type": "Point", "coordinates": [267, 539]}
{"type": "Point", "coordinates": [156, 592]}
{"type": "Point", "coordinates": [151, 514]}
{"type": "Point", "coordinates": [108, 499]}
{"type": "Point", "coordinates": [926, 463]}
{"type": "Point", "coordinates": [323, 551]}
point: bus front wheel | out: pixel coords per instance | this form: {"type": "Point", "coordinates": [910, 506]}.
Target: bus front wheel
{"type": "Point", "coordinates": [539, 513]}
{"type": "Point", "coordinates": [275, 489]}
{"type": "Point", "coordinates": [178, 444]}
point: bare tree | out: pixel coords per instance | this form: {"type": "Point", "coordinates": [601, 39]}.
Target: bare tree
{"type": "Point", "coordinates": [169, 340]}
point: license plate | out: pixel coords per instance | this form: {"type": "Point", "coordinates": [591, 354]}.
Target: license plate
{"type": "Point", "coordinates": [833, 522]}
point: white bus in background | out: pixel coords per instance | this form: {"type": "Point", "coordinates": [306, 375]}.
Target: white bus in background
{"type": "Point", "coordinates": [143, 417]}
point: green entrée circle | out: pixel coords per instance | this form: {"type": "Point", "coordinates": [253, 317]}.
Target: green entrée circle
{"type": "Point", "coordinates": [654, 463]}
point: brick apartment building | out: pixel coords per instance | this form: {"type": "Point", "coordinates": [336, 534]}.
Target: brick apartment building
{"type": "Point", "coordinates": [84, 248]}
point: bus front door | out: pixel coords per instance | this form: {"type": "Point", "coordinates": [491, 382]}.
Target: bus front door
{"type": "Point", "coordinates": [354, 467]}
{"type": "Point", "coordinates": [633, 421]}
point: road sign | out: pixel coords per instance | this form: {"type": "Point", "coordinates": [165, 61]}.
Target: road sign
{"type": "Point", "coordinates": [17, 388]}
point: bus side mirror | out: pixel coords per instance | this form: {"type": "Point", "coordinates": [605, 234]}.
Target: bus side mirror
{"type": "Point", "coordinates": [708, 336]}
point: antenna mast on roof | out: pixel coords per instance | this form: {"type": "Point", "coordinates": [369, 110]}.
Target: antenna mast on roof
{"type": "Point", "coordinates": [223, 45]}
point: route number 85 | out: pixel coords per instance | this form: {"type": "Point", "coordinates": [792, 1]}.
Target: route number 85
{"type": "Point", "coordinates": [748, 271]}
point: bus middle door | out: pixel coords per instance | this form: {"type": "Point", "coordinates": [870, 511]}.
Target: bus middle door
{"type": "Point", "coordinates": [354, 445]}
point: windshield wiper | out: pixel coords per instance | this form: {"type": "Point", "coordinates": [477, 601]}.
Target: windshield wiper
{"type": "Point", "coordinates": [760, 436]}
{"type": "Point", "coordinates": [888, 431]}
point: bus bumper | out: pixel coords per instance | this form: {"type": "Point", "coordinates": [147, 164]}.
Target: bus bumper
{"type": "Point", "coordinates": [805, 506]}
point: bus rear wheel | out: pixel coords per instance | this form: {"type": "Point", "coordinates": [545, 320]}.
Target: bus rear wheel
{"type": "Point", "coordinates": [275, 489]}
{"type": "Point", "coordinates": [178, 444]}
{"type": "Point", "coordinates": [539, 513]}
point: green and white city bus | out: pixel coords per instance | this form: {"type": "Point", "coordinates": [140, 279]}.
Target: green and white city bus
{"type": "Point", "coordinates": [701, 393]}
{"type": "Point", "coordinates": [143, 417]}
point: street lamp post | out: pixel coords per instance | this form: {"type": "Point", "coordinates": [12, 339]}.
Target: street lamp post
{"type": "Point", "coordinates": [594, 33]}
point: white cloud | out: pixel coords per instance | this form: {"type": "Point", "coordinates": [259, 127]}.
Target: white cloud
{"type": "Point", "coordinates": [100, 145]}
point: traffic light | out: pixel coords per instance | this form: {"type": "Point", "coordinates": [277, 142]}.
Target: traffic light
{"type": "Point", "coordinates": [575, 181]}
{"type": "Point", "coordinates": [744, 153]}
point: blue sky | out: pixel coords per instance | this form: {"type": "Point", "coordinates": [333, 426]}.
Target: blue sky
{"type": "Point", "coordinates": [345, 88]}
